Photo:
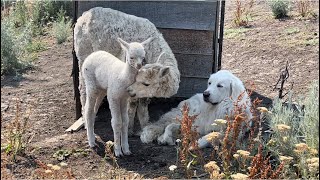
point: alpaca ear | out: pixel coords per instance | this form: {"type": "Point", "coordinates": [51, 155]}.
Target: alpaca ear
{"type": "Point", "coordinates": [123, 44]}
{"type": "Point", "coordinates": [164, 71]}
{"type": "Point", "coordinates": [158, 60]}
{"type": "Point", "coordinates": [144, 43]}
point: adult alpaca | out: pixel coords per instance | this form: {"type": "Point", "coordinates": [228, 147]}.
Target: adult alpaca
{"type": "Point", "coordinates": [215, 102]}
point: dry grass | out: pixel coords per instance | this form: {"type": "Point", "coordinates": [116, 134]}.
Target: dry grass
{"type": "Point", "coordinates": [304, 8]}
{"type": "Point", "coordinates": [242, 12]}
{"type": "Point", "coordinates": [16, 133]}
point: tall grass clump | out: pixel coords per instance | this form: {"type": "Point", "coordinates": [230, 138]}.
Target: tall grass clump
{"type": "Point", "coordinates": [62, 27]}
{"type": "Point", "coordinates": [280, 8]}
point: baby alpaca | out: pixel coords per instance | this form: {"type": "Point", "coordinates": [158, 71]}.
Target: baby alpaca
{"type": "Point", "coordinates": [104, 74]}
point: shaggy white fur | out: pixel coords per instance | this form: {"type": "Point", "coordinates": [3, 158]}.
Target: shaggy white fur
{"type": "Point", "coordinates": [98, 29]}
{"type": "Point", "coordinates": [104, 74]}
{"type": "Point", "coordinates": [214, 103]}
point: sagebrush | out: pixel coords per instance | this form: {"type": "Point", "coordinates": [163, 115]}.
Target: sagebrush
{"type": "Point", "coordinates": [62, 27]}
{"type": "Point", "coordinates": [280, 8]}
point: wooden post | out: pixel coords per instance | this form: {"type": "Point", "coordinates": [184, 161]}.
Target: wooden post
{"type": "Point", "coordinates": [75, 68]}
{"type": "Point", "coordinates": [222, 10]}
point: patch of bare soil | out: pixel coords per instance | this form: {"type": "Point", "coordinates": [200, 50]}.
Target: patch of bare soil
{"type": "Point", "coordinates": [256, 53]}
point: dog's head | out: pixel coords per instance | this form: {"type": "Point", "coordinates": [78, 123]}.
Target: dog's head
{"type": "Point", "coordinates": [221, 86]}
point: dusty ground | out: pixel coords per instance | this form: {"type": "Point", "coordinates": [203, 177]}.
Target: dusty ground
{"type": "Point", "coordinates": [257, 53]}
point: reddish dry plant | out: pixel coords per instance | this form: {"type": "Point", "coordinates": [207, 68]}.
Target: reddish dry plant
{"type": "Point", "coordinates": [304, 7]}
{"type": "Point", "coordinates": [41, 172]}
{"type": "Point", "coordinates": [242, 12]}
{"type": "Point", "coordinates": [189, 138]}
{"type": "Point", "coordinates": [261, 167]}
{"type": "Point", "coordinates": [237, 123]}
{"type": "Point", "coordinates": [16, 132]}
{"type": "Point", "coordinates": [232, 134]}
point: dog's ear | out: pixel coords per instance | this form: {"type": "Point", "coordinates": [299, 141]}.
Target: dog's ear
{"type": "Point", "coordinates": [236, 89]}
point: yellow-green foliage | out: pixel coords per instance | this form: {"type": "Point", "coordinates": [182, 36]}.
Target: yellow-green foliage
{"type": "Point", "coordinates": [62, 28]}
{"type": "Point", "coordinates": [280, 8]}
{"type": "Point", "coordinates": [310, 123]}
{"type": "Point", "coordinates": [295, 136]}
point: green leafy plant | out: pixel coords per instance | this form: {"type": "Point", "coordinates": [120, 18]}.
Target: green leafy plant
{"type": "Point", "coordinates": [61, 28]}
{"type": "Point", "coordinates": [9, 58]}
{"type": "Point", "coordinates": [295, 134]}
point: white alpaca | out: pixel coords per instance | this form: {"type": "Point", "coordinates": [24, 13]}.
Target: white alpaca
{"type": "Point", "coordinates": [104, 74]}
{"type": "Point", "coordinates": [214, 103]}
{"type": "Point", "coordinates": [98, 29]}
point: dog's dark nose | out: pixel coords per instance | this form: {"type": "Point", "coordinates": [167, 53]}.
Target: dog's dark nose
{"type": "Point", "coordinates": [206, 94]}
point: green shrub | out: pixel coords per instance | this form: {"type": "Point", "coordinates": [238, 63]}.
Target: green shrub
{"type": "Point", "coordinates": [20, 13]}
{"type": "Point", "coordinates": [295, 134]}
{"type": "Point", "coordinates": [280, 8]}
{"type": "Point", "coordinates": [311, 116]}
{"type": "Point", "coordinates": [9, 59]}
{"type": "Point", "coordinates": [62, 27]}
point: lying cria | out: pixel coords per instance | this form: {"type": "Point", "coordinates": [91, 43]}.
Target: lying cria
{"type": "Point", "coordinates": [215, 102]}
{"type": "Point", "coordinates": [104, 74]}
{"type": "Point", "coordinates": [98, 29]}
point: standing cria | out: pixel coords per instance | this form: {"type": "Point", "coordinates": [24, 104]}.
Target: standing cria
{"type": "Point", "coordinates": [104, 74]}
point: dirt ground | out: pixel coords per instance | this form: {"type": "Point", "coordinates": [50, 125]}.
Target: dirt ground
{"type": "Point", "coordinates": [257, 53]}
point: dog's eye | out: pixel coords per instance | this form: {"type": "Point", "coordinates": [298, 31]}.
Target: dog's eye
{"type": "Point", "coordinates": [219, 86]}
{"type": "Point", "coordinates": [131, 58]}
{"type": "Point", "coordinates": [209, 83]}
{"type": "Point", "coordinates": [145, 84]}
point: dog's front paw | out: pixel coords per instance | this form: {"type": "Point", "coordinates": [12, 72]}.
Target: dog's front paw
{"type": "Point", "coordinates": [145, 137]}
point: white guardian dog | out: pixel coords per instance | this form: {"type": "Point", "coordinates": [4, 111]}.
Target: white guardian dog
{"type": "Point", "coordinates": [217, 101]}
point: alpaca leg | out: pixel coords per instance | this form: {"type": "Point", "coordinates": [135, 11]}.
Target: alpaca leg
{"type": "Point", "coordinates": [99, 100]}
{"type": "Point", "coordinates": [89, 116]}
{"type": "Point", "coordinates": [125, 124]}
{"type": "Point", "coordinates": [116, 123]}
{"type": "Point", "coordinates": [132, 108]}
{"type": "Point", "coordinates": [82, 91]}
{"type": "Point", "coordinates": [142, 112]}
